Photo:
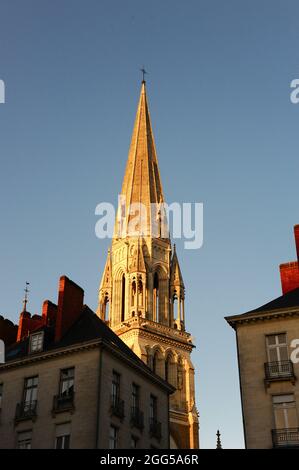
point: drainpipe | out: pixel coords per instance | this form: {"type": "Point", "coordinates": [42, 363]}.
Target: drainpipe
{"type": "Point", "coordinates": [98, 397]}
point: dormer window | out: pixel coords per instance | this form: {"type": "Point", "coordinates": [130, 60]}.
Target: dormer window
{"type": "Point", "coordinates": [36, 342]}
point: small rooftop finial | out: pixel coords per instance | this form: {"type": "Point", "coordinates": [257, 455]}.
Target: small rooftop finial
{"type": "Point", "coordinates": [25, 301]}
{"type": "Point", "coordinates": [144, 72]}
{"type": "Point", "coordinates": [218, 445]}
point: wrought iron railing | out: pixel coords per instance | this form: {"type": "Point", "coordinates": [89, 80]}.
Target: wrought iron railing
{"type": "Point", "coordinates": [137, 418]}
{"type": "Point", "coordinates": [26, 410]}
{"type": "Point", "coordinates": [117, 407]}
{"type": "Point", "coordinates": [63, 402]}
{"type": "Point", "coordinates": [155, 428]}
{"type": "Point", "coordinates": [288, 437]}
{"type": "Point", "coordinates": [279, 370]}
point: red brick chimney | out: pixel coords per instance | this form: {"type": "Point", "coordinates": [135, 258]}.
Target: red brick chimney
{"type": "Point", "coordinates": [8, 331]}
{"type": "Point", "coordinates": [289, 272]}
{"type": "Point", "coordinates": [296, 232]}
{"type": "Point", "coordinates": [49, 313]}
{"type": "Point", "coordinates": [27, 324]}
{"type": "Point", "coordinates": [289, 275]}
{"type": "Point", "coordinates": [70, 305]}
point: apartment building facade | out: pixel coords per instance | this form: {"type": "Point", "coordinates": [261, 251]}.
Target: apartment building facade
{"type": "Point", "coordinates": [267, 341]}
{"type": "Point", "coordinates": [70, 382]}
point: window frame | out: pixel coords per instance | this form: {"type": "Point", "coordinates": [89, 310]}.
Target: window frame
{"type": "Point", "coordinates": [114, 438]}
{"type": "Point", "coordinates": [69, 379]}
{"type": "Point", "coordinates": [136, 440]}
{"type": "Point", "coordinates": [1, 394]}
{"type": "Point", "coordinates": [41, 335]}
{"type": "Point", "coordinates": [25, 431]}
{"type": "Point", "coordinates": [115, 387]}
{"type": "Point", "coordinates": [276, 346]}
{"type": "Point", "coordinates": [32, 389]}
{"type": "Point", "coordinates": [135, 397]}
{"type": "Point", "coordinates": [153, 412]}
{"type": "Point", "coordinates": [284, 406]}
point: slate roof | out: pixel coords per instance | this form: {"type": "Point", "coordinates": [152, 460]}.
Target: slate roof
{"type": "Point", "coordinates": [87, 328]}
{"type": "Point", "coordinates": [284, 302]}
{"type": "Point", "coordinates": [290, 299]}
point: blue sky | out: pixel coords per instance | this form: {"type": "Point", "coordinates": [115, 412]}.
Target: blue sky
{"type": "Point", "coordinates": [226, 135]}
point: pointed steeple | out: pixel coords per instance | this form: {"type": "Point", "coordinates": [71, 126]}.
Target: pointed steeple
{"type": "Point", "coordinates": [176, 278]}
{"type": "Point", "coordinates": [218, 443]}
{"type": "Point", "coordinates": [105, 290]}
{"type": "Point", "coordinates": [138, 263]}
{"type": "Point", "coordinates": [142, 182]}
{"type": "Point", "coordinates": [106, 278]}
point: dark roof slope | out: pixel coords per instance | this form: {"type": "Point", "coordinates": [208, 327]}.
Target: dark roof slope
{"type": "Point", "coordinates": [288, 300]}
{"type": "Point", "coordinates": [276, 307]}
{"type": "Point", "coordinates": [88, 327]}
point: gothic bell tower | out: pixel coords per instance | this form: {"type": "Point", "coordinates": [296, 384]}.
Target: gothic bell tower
{"type": "Point", "coordinates": [142, 293]}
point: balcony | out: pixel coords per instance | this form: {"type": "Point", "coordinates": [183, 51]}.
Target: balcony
{"type": "Point", "coordinates": [285, 438]}
{"type": "Point", "coordinates": [155, 429]}
{"type": "Point", "coordinates": [137, 418]}
{"type": "Point", "coordinates": [26, 410]}
{"type": "Point", "coordinates": [278, 371]}
{"type": "Point", "coordinates": [117, 407]}
{"type": "Point", "coordinates": [63, 403]}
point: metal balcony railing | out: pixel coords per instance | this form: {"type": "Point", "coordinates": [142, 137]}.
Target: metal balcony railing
{"type": "Point", "coordinates": [280, 370]}
{"type": "Point", "coordinates": [155, 428]}
{"type": "Point", "coordinates": [26, 410]}
{"type": "Point", "coordinates": [63, 403]}
{"type": "Point", "coordinates": [285, 437]}
{"type": "Point", "coordinates": [117, 407]}
{"type": "Point", "coordinates": [137, 418]}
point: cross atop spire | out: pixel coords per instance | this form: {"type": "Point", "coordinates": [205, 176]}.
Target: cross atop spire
{"type": "Point", "coordinates": [25, 301]}
{"type": "Point", "coordinates": [144, 72]}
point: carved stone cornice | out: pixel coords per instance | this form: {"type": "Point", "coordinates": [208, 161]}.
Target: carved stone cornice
{"type": "Point", "coordinates": [266, 315]}
{"type": "Point", "coordinates": [143, 328]}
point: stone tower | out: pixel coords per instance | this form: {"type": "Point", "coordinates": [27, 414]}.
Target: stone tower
{"type": "Point", "coordinates": [142, 292]}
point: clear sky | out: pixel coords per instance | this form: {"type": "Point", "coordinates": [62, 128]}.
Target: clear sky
{"type": "Point", "coordinates": [226, 135]}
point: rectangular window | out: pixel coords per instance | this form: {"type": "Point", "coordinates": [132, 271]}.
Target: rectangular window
{"type": "Point", "coordinates": [1, 395]}
{"type": "Point", "coordinates": [67, 379]}
{"type": "Point", "coordinates": [134, 442]}
{"type": "Point", "coordinates": [285, 412]}
{"type": "Point", "coordinates": [153, 408]}
{"type": "Point", "coordinates": [30, 392]}
{"type": "Point", "coordinates": [277, 348]}
{"type": "Point", "coordinates": [36, 342]}
{"type": "Point", "coordinates": [135, 396]}
{"type": "Point", "coordinates": [63, 436]}
{"type": "Point", "coordinates": [24, 440]}
{"type": "Point", "coordinates": [115, 391]}
{"type": "Point", "coordinates": [113, 437]}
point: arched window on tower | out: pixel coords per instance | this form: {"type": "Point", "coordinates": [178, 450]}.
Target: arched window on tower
{"type": "Point", "coordinates": [167, 368]}
{"type": "Point", "coordinates": [156, 298]}
{"type": "Point", "coordinates": [155, 360]}
{"type": "Point", "coordinates": [175, 307]}
{"type": "Point", "coordinates": [133, 293]}
{"type": "Point", "coordinates": [170, 369]}
{"type": "Point", "coordinates": [140, 292]}
{"type": "Point", "coordinates": [106, 308]}
{"type": "Point", "coordinates": [158, 364]}
{"type": "Point", "coordinates": [123, 295]}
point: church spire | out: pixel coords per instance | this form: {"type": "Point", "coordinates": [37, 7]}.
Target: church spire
{"type": "Point", "coordinates": [142, 188]}
{"type": "Point", "coordinates": [142, 293]}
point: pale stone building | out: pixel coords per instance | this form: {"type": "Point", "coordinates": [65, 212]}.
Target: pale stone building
{"type": "Point", "coordinates": [268, 372]}
{"type": "Point", "coordinates": [142, 293]}
{"type": "Point", "coordinates": [70, 382]}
